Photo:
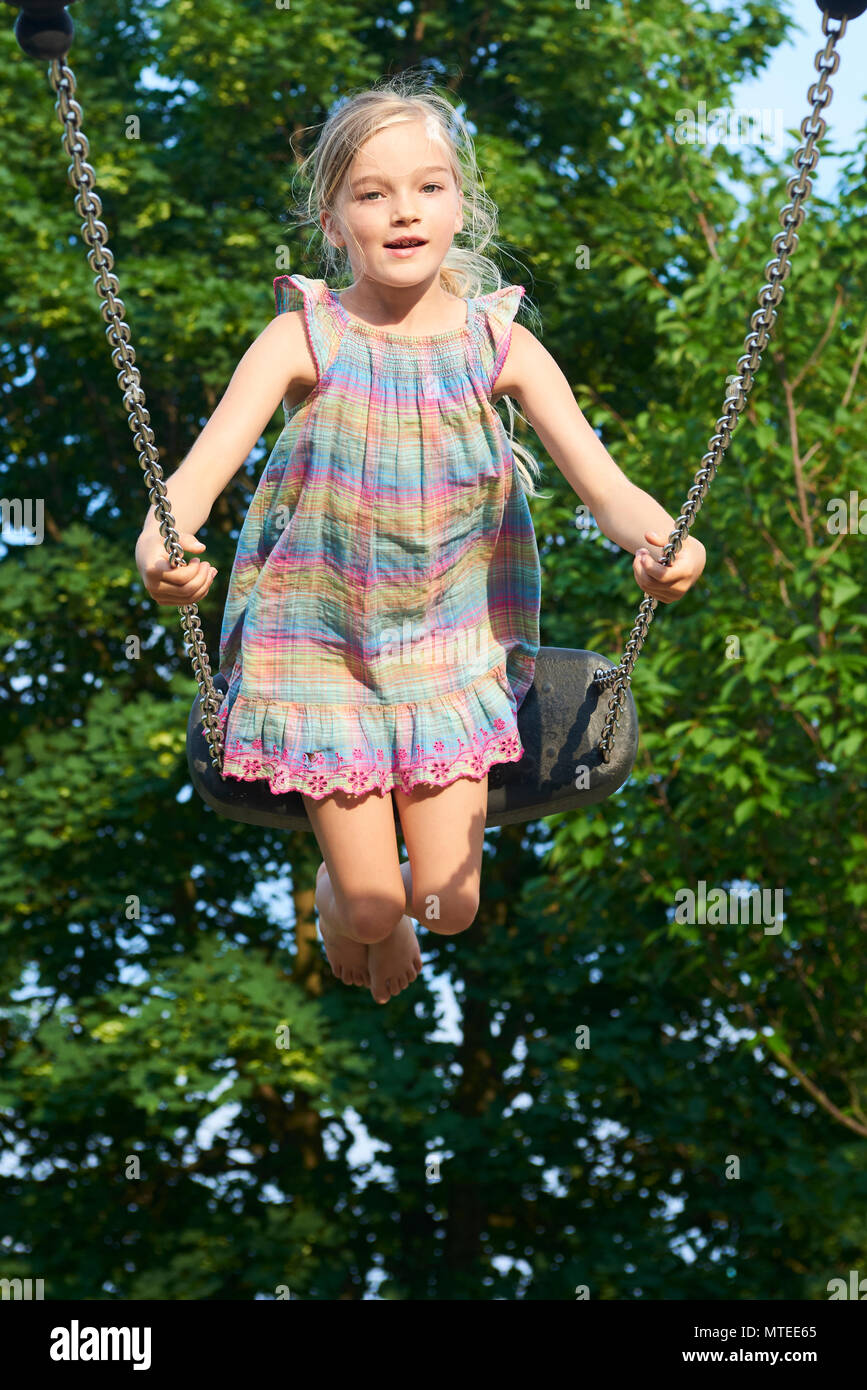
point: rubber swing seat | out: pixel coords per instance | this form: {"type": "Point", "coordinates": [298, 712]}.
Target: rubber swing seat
{"type": "Point", "coordinates": [560, 723]}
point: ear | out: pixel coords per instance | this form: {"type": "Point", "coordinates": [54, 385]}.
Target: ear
{"type": "Point", "coordinates": [330, 229]}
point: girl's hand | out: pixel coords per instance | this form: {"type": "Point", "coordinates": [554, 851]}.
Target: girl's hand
{"type": "Point", "coordinates": [668, 582]}
{"type": "Point", "coordinates": [165, 582]}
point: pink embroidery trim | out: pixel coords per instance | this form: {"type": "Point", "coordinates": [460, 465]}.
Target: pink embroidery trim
{"type": "Point", "coordinates": [361, 775]}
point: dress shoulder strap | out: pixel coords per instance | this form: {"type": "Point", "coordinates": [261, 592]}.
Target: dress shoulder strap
{"type": "Point", "coordinates": [321, 323]}
{"type": "Point", "coordinates": [495, 313]}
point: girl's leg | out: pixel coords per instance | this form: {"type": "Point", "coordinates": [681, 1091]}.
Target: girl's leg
{"type": "Point", "coordinates": [444, 832]}
{"type": "Point", "coordinates": [360, 893]}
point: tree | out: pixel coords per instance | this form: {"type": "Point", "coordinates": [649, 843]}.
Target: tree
{"type": "Point", "coordinates": [153, 984]}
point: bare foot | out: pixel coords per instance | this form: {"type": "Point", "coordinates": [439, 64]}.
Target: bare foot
{"type": "Point", "coordinates": [395, 962]}
{"type": "Point", "coordinates": [347, 958]}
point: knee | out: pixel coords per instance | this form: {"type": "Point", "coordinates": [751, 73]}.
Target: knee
{"type": "Point", "coordinates": [447, 913]}
{"type": "Point", "coordinates": [372, 917]}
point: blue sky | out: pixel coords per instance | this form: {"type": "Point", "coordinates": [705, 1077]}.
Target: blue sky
{"type": "Point", "coordinates": [784, 83]}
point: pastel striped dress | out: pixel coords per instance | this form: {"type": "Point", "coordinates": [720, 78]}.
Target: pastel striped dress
{"type": "Point", "coordinates": [382, 618]}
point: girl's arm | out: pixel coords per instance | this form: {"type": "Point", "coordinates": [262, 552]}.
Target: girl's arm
{"type": "Point", "coordinates": [269, 367]}
{"type": "Point", "coordinates": [623, 512]}
{"type": "Point", "coordinates": [279, 360]}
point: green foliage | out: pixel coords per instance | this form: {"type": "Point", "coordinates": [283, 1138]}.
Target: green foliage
{"type": "Point", "coordinates": [146, 970]}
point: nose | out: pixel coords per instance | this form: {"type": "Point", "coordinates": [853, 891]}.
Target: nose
{"type": "Point", "coordinates": [404, 210]}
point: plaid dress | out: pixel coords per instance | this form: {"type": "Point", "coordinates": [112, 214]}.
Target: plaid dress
{"type": "Point", "coordinates": [381, 624]}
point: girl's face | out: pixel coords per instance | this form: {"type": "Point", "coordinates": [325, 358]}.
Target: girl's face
{"type": "Point", "coordinates": [398, 185]}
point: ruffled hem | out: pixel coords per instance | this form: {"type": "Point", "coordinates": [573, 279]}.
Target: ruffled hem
{"type": "Point", "coordinates": [304, 756]}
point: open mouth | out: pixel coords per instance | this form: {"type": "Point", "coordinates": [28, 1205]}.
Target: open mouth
{"type": "Point", "coordinates": [404, 243]}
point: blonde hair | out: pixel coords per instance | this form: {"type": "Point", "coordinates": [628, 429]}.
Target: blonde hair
{"type": "Point", "coordinates": [465, 271]}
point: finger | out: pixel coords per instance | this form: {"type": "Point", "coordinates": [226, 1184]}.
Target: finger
{"type": "Point", "coordinates": [644, 554]}
{"type": "Point", "coordinates": [192, 592]}
{"type": "Point", "coordinates": [184, 600]}
{"type": "Point", "coordinates": [199, 589]}
{"type": "Point", "coordinates": [667, 595]}
{"type": "Point", "coordinates": [184, 574]}
{"type": "Point", "coordinates": [650, 568]}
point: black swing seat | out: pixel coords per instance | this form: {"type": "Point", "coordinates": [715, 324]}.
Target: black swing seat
{"type": "Point", "coordinates": [560, 723]}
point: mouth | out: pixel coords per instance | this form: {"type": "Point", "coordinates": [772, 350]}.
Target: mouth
{"type": "Point", "coordinates": [405, 244]}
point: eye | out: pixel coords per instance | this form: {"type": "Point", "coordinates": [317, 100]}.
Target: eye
{"type": "Point", "coordinates": [374, 194]}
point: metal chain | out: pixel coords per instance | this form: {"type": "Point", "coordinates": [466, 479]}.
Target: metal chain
{"type": "Point", "coordinates": [763, 320]}
{"type": "Point", "coordinates": [88, 206]}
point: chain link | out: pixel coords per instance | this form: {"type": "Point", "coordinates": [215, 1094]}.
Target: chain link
{"type": "Point", "coordinates": [94, 232]}
{"type": "Point", "coordinates": [762, 323]}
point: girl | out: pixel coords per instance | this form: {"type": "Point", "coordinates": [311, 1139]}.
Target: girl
{"type": "Point", "coordinates": [382, 617]}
